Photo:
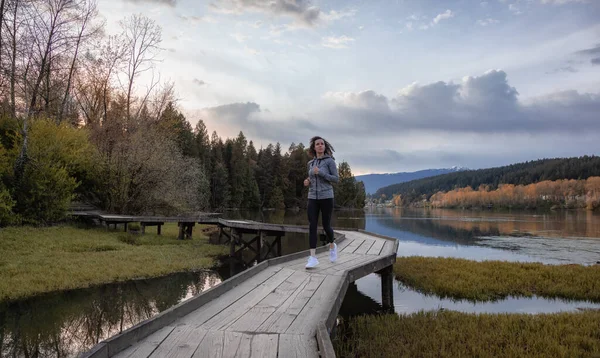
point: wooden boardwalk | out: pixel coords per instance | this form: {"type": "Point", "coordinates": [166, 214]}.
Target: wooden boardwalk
{"type": "Point", "coordinates": [274, 309]}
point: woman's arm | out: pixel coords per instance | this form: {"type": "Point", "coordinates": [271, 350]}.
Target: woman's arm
{"type": "Point", "coordinates": [333, 177]}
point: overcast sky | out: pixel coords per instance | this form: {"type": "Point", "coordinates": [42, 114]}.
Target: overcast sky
{"type": "Point", "coordinates": [395, 85]}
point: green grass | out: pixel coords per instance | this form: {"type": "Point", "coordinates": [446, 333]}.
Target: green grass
{"type": "Point", "coordinates": [492, 280]}
{"type": "Point", "coordinates": [454, 334]}
{"type": "Point", "coordinates": [38, 260]}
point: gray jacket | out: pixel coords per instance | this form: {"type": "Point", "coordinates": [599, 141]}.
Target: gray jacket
{"type": "Point", "coordinates": [320, 185]}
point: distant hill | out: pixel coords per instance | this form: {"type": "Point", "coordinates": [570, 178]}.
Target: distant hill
{"type": "Point", "coordinates": [375, 181]}
{"type": "Point", "coordinates": [518, 174]}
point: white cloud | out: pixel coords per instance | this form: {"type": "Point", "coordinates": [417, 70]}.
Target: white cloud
{"type": "Point", "coordinates": [240, 37]}
{"type": "Point", "coordinates": [337, 42]}
{"type": "Point", "coordinates": [199, 82]}
{"type": "Point", "coordinates": [301, 11]}
{"type": "Point", "coordinates": [514, 9]}
{"type": "Point", "coordinates": [486, 22]}
{"type": "Point", "coordinates": [443, 16]}
{"type": "Point", "coordinates": [562, 2]}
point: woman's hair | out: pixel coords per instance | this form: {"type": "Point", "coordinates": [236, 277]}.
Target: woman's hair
{"type": "Point", "coordinates": [328, 147]}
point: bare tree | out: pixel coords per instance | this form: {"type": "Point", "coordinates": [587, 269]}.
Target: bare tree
{"type": "Point", "coordinates": [88, 13]}
{"type": "Point", "coordinates": [143, 37]}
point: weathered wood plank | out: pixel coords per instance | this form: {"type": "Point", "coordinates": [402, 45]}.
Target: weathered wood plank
{"type": "Point", "coordinates": [356, 242]}
{"type": "Point", "coordinates": [232, 313]}
{"type": "Point", "coordinates": [181, 343]}
{"type": "Point", "coordinates": [283, 317]}
{"type": "Point", "coordinates": [297, 346]}
{"type": "Point", "coordinates": [146, 346]}
{"type": "Point", "coordinates": [376, 248]}
{"type": "Point", "coordinates": [255, 316]}
{"type": "Point", "coordinates": [340, 270]}
{"type": "Point", "coordinates": [211, 346]}
{"type": "Point", "coordinates": [231, 343]}
{"type": "Point", "coordinates": [264, 345]}
{"type": "Point", "coordinates": [364, 247]}
{"type": "Point", "coordinates": [206, 312]}
{"type": "Point", "coordinates": [324, 341]}
{"type": "Point", "coordinates": [325, 264]}
{"type": "Point", "coordinates": [305, 322]}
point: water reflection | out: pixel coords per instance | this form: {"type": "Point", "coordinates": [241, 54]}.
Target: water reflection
{"type": "Point", "coordinates": [408, 301]}
{"type": "Point", "coordinates": [67, 323]}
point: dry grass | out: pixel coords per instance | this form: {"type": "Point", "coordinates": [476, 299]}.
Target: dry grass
{"type": "Point", "coordinates": [37, 260]}
{"type": "Point", "coordinates": [492, 280]}
{"type": "Point", "coordinates": [454, 334]}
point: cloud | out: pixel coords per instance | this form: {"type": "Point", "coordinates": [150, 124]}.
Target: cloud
{"type": "Point", "coordinates": [170, 3]}
{"type": "Point", "coordinates": [570, 69]}
{"type": "Point", "coordinates": [595, 61]}
{"type": "Point", "coordinates": [337, 42]}
{"type": "Point", "coordinates": [199, 82]}
{"type": "Point", "coordinates": [486, 22]}
{"type": "Point", "coordinates": [443, 16]}
{"type": "Point", "coordinates": [301, 11]}
{"type": "Point", "coordinates": [478, 121]}
{"type": "Point", "coordinates": [562, 2]}
{"type": "Point", "coordinates": [514, 9]}
{"type": "Point", "coordinates": [195, 19]}
{"type": "Point", "coordinates": [239, 37]}
{"type": "Point", "coordinates": [590, 51]}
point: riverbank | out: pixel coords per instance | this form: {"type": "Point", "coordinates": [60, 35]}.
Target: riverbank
{"type": "Point", "coordinates": [492, 280]}
{"type": "Point", "coordinates": [443, 333]}
{"type": "Point", "coordinates": [40, 260]}
{"type": "Point", "coordinates": [455, 334]}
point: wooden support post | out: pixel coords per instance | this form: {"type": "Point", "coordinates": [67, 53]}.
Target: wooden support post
{"type": "Point", "coordinates": [180, 236]}
{"type": "Point", "coordinates": [143, 225]}
{"type": "Point", "coordinates": [188, 230]}
{"type": "Point", "coordinates": [124, 226]}
{"type": "Point", "coordinates": [158, 229]}
{"type": "Point", "coordinates": [278, 241]}
{"type": "Point", "coordinates": [259, 240]}
{"type": "Point", "coordinates": [231, 243]}
{"type": "Point", "coordinates": [387, 288]}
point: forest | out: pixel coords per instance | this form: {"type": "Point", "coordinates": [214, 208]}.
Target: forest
{"type": "Point", "coordinates": [561, 182]}
{"type": "Point", "coordinates": [85, 116]}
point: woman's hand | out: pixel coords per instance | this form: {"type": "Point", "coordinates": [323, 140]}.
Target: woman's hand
{"type": "Point", "coordinates": [316, 170]}
{"type": "Point", "coordinates": [306, 182]}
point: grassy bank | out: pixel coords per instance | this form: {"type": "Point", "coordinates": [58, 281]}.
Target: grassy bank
{"type": "Point", "coordinates": [37, 260]}
{"type": "Point", "coordinates": [490, 280]}
{"type": "Point", "coordinates": [454, 334]}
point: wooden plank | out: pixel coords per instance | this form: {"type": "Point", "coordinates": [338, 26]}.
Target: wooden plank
{"type": "Point", "coordinates": [206, 312]}
{"type": "Point", "coordinates": [212, 345]}
{"type": "Point", "coordinates": [340, 270]}
{"type": "Point", "coordinates": [146, 346]}
{"type": "Point", "coordinates": [297, 346]}
{"type": "Point", "coordinates": [364, 247]}
{"type": "Point", "coordinates": [312, 312]}
{"type": "Point", "coordinates": [181, 343]}
{"type": "Point", "coordinates": [231, 343]}
{"type": "Point", "coordinates": [376, 248]}
{"type": "Point", "coordinates": [327, 264]}
{"type": "Point", "coordinates": [255, 316]}
{"type": "Point", "coordinates": [352, 246]}
{"type": "Point", "coordinates": [232, 313]}
{"type": "Point", "coordinates": [324, 341]}
{"type": "Point", "coordinates": [283, 317]}
{"type": "Point", "coordinates": [264, 345]}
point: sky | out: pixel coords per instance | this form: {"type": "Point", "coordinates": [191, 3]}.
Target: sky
{"type": "Point", "coordinates": [395, 86]}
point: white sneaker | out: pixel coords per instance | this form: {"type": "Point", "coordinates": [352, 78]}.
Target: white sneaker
{"type": "Point", "coordinates": [312, 262]}
{"type": "Point", "coordinates": [333, 253]}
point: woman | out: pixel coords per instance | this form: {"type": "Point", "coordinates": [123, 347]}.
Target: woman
{"type": "Point", "coordinates": [322, 171]}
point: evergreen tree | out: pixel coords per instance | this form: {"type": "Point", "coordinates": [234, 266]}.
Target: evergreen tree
{"type": "Point", "coordinates": [219, 183]}
{"type": "Point", "coordinates": [202, 144]}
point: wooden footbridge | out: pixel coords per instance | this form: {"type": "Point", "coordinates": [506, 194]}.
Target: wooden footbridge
{"type": "Point", "coordinates": [276, 308]}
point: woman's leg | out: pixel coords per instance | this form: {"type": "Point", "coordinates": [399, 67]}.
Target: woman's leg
{"type": "Point", "coordinates": [313, 220]}
{"type": "Point", "coordinates": [327, 210]}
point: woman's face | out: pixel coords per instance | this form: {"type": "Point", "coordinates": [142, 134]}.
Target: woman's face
{"type": "Point", "coordinates": [319, 146]}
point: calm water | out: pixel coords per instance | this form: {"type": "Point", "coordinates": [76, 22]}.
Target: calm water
{"type": "Point", "coordinates": [63, 324]}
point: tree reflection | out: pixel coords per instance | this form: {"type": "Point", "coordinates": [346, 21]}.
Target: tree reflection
{"type": "Point", "coordinates": [67, 323]}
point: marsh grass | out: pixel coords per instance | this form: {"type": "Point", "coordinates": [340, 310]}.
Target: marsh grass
{"type": "Point", "coordinates": [493, 280]}
{"type": "Point", "coordinates": [455, 334]}
{"type": "Point", "coordinates": [38, 260]}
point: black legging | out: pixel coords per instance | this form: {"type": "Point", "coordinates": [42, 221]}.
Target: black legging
{"type": "Point", "coordinates": [326, 207]}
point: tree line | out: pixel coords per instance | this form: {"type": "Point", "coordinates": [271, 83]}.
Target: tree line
{"type": "Point", "coordinates": [417, 191]}
{"type": "Point", "coordinates": [84, 116]}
